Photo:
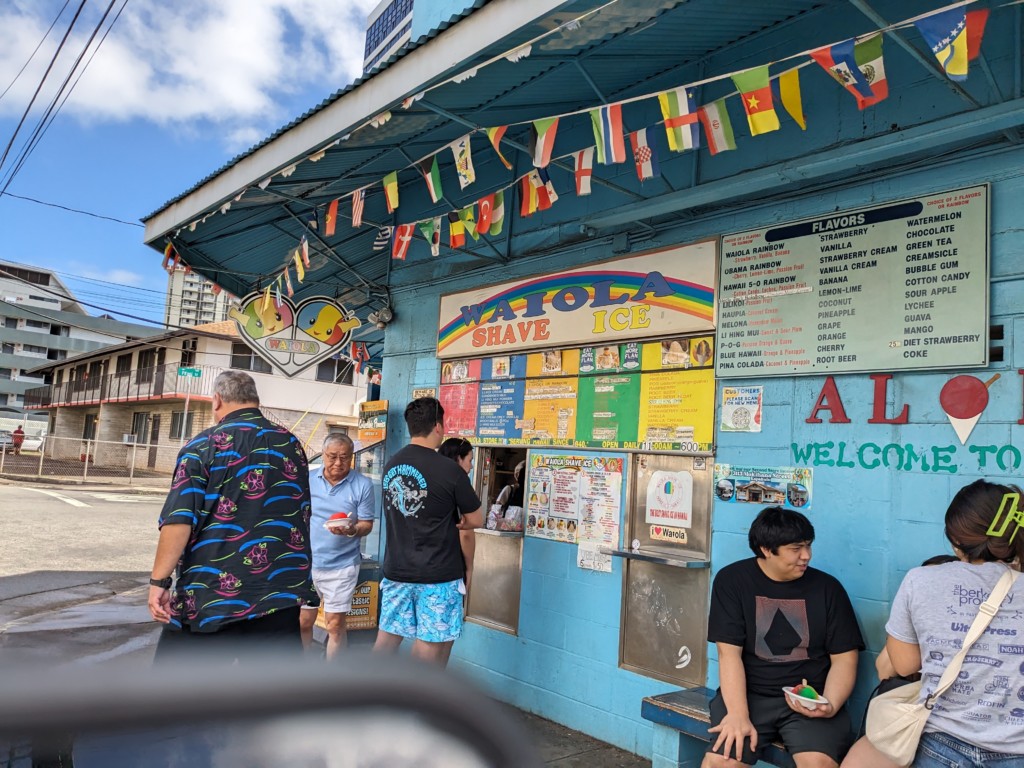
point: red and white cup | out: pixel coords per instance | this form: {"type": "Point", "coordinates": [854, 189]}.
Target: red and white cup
{"type": "Point", "coordinates": [340, 522]}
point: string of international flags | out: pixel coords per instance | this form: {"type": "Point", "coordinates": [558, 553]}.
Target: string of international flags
{"type": "Point", "coordinates": [953, 34]}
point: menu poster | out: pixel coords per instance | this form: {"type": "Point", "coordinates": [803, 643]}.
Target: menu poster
{"type": "Point", "coordinates": [741, 409]}
{"type": "Point", "coordinates": [553, 362]}
{"type": "Point", "coordinates": [460, 403]}
{"type": "Point", "coordinates": [549, 409]}
{"type": "Point", "coordinates": [373, 422]}
{"type": "Point", "coordinates": [501, 408]}
{"type": "Point", "coordinates": [601, 499]}
{"type": "Point", "coordinates": [503, 367]}
{"type": "Point", "coordinates": [456, 371]}
{"type": "Point", "coordinates": [609, 408]}
{"type": "Point", "coordinates": [899, 286]}
{"type": "Point", "coordinates": [788, 486]}
{"type": "Point", "coordinates": [677, 410]}
{"type": "Point", "coordinates": [616, 357]}
{"type": "Point", "coordinates": [576, 494]}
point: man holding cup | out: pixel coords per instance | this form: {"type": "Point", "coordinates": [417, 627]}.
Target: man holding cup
{"type": "Point", "coordinates": [342, 501]}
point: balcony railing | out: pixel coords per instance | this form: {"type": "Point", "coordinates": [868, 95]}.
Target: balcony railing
{"type": "Point", "coordinates": [157, 383]}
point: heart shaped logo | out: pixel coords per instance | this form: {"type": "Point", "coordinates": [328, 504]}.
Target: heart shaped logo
{"type": "Point", "coordinates": [657, 530]}
{"type": "Point", "coordinates": [292, 337]}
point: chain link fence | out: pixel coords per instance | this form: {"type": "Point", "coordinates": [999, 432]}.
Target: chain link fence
{"type": "Point", "coordinates": [75, 460]}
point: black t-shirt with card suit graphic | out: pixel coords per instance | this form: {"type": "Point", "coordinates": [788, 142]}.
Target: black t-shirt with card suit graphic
{"type": "Point", "coordinates": [787, 629]}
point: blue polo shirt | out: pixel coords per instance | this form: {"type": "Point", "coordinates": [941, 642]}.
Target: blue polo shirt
{"type": "Point", "coordinates": [353, 494]}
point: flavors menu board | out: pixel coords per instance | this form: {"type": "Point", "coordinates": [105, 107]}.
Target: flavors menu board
{"type": "Point", "coordinates": [892, 287]}
{"type": "Point", "coordinates": [653, 396]}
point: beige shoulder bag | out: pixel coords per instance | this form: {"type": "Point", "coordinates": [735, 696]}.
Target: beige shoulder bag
{"type": "Point", "coordinates": [896, 719]}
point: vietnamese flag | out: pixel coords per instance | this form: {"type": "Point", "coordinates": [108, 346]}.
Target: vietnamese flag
{"type": "Point", "coordinates": [754, 86]}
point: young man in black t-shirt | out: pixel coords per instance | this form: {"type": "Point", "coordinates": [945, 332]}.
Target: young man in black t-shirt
{"type": "Point", "coordinates": [777, 622]}
{"type": "Point", "coordinates": [427, 500]}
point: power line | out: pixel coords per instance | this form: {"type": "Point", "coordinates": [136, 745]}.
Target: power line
{"type": "Point", "coordinates": [39, 88]}
{"type": "Point", "coordinates": [72, 210]}
{"type": "Point", "coordinates": [50, 114]}
{"type": "Point", "coordinates": [38, 46]}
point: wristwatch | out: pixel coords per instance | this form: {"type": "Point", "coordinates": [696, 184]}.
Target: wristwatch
{"type": "Point", "coordinates": [162, 583]}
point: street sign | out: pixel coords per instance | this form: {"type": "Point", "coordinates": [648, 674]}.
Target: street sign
{"type": "Point", "coordinates": [195, 373]}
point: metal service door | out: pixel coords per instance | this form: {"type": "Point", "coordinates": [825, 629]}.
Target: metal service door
{"type": "Point", "coordinates": [666, 547]}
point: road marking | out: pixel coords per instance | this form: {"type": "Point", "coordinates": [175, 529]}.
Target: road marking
{"type": "Point", "coordinates": [131, 498]}
{"type": "Point", "coordinates": [61, 497]}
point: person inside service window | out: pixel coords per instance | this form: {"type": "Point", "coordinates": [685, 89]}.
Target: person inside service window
{"type": "Point", "coordinates": [779, 623]}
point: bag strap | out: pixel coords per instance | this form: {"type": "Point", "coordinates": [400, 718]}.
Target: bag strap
{"type": "Point", "coordinates": [986, 612]}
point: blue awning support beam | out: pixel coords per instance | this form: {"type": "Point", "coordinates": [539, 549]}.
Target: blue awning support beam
{"type": "Point", "coordinates": [929, 63]}
{"type": "Point", "coordinates": [874, 152]}
{"type": "Point", "coordinates": [523, 148]}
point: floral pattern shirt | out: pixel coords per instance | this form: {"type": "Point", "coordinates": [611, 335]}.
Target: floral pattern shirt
{"type": "Point", "coordinates": [243, 487]}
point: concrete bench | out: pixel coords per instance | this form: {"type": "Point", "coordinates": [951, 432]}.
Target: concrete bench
{"type": "Point", "coordinates": [681, 720]}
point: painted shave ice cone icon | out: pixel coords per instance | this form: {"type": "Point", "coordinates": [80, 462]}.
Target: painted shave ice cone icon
{"type": "Point", "coordinates": [964, 399]}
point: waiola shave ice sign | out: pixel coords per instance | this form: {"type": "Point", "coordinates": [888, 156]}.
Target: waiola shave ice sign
{"type": "Point", "coordinates": [661, 293]}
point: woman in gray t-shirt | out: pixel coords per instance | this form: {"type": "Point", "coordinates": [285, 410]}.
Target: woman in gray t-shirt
{"type": "Point", "coordinates": [979, 721]}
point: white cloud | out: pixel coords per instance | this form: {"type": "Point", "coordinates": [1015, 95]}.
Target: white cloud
{"type": "Point", "coordinates": [232, 64]}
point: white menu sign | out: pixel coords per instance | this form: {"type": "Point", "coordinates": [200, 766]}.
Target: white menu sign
{"type": "Point", "coordinates": [900, 286]}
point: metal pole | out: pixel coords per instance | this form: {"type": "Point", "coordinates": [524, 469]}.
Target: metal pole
{"type": "Point", "coordinates": [131, 469]}
{"type": "Point", "coordinates": [184, 419]}
{"type": "Point", "coordinates": [3, 455]}
{"type": "Point", "coordinates": [42, 455]}
{"type": "Point", "coordinates": [85, 470]}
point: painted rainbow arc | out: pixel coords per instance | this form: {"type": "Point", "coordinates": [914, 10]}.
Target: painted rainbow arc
{"type": "Point", "coordinates": [689, 298]}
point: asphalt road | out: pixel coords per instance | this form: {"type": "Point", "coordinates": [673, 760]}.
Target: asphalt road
{"type": "Point", "coordinates": [73, 572]}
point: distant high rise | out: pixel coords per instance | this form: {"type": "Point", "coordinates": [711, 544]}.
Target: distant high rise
{"type": "Point", "coordinates": [191, 301]}
{"type": "Point", "coordinates": [388, 28]}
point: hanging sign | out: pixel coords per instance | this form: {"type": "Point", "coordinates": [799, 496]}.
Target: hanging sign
{"type": "Point", "coordinates": [292, 337]}
{"type": "Point", "coordinates": [661, 293]}
{"type": "Point", "coordinates": [898, 286]}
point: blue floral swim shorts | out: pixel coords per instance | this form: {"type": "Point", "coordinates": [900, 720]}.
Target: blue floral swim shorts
{"type": "Point", "coordinates": [428, 612]}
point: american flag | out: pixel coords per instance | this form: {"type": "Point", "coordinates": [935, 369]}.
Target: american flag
{"type": "Point", "coordinates": [358, 199]}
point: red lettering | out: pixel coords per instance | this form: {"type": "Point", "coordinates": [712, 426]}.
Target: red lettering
{"type": "Point", "coordinates": [541, 331]}
{"type": "Point", "coordinates": [493, 336]}
{"type": "Point", "coordinates": [479, 337]}
{"type": "Point", "coordinates": [878, 409]}
{"type": "Point", "coordinates": [524, 329]}
{"type": "Point", "coordinates": [829, 400]}
{"type": "Point", "coordinates": [510, 335]}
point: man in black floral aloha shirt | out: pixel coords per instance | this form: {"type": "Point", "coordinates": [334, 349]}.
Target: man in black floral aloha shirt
{"type": "Point", "coordinates": [235, 527]}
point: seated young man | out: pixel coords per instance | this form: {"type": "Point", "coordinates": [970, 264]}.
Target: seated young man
{"type": "Point", "coordinates": [777, 622]}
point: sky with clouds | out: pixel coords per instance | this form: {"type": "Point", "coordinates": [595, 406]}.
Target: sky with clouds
{"type": "Point", "coordinates": [172, 93]}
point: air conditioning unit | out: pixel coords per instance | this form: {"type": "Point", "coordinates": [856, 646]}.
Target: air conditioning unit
{"type": "Point", "coordinates": [128, 438]}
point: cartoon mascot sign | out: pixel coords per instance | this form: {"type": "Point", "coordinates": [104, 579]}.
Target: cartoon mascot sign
{"type": "Point", "coordinates": [292, 337]}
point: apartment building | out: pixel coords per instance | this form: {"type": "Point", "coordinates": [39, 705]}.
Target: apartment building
{"type": "Point", "coordinates": [191, 301]}
{"type": "Point", "coordinates": [41, 321]}
{"type": "Point", "coordinates": [156, 392]}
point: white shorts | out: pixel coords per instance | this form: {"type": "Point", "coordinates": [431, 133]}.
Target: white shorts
{"type": "Point", "coordinates": [336, 587]}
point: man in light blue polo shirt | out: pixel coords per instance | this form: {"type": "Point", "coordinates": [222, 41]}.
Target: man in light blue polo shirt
{"type": "Point", "coordinates": [336, 487]}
